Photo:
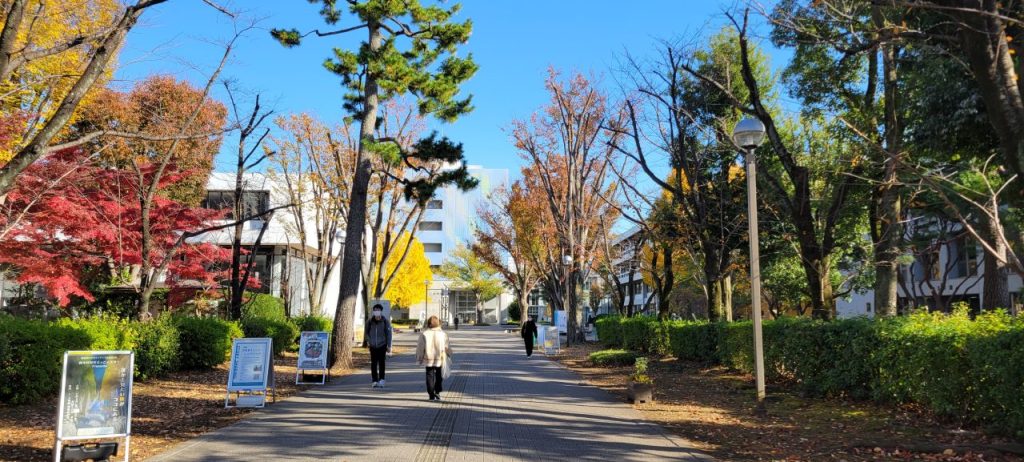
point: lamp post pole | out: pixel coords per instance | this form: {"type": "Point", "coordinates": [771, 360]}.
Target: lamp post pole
{"type": "Point", "coordinates": [567, 260]}
{"type": "Point", "coordinates": [749, 134]}
{"type": "Point", "coordinates": [426, 298]}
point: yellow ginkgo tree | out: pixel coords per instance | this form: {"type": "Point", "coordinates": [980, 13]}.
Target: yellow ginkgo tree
{"type": "Point", "coordinates": [406, 275]}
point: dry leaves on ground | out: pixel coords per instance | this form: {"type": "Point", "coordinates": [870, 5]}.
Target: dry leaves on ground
{"type": "Point", "coordinates": [712, 408]}
{"type": "Point", "coordinates": [165, 411]}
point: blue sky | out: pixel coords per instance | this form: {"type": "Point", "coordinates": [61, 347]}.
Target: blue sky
{"type": "Point", "coordinates": [514, 43]}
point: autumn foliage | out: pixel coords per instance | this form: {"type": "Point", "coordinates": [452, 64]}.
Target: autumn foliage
{"type": "Point", "coordinates": [69, 216]}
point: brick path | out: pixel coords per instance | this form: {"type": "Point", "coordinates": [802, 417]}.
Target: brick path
{"type": "Point", "coordinates": [498, 405]}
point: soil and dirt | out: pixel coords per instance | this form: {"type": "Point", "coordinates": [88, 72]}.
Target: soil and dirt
{"type": "Point", "coordinates": [165, 411]}
{"type": "Point", "coordinates": [713, 408]}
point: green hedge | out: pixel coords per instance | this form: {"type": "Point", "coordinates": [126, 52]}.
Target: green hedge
{"type": "Point", "coordinates": [31, 351]}
{"type": "Point", "coordinates": [205, 342]}
{"type": "Point", "coordinates": [694, 341]}
{"type": "Point", "coordinates": [609, 330]}
{"type": "Point", "coordinates": [30, 357]}
{"type": "Point", "coordinates": [957, 367]}
{"type": "Point", "coordinates": [283, 332]}
{"type": "Point", "coordinates": [158, 347]}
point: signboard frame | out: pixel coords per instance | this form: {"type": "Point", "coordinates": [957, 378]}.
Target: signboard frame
{"type": "Point", "coordinates": [62, 402]}
{"type": "Point", "coordinates": [551, 341]}
{"type": "Point", "coordinates": [264, 383]}
{"type": "Point", "coordinates": [325, 372]}
{"type": "Point", "coordinates": [560, 321]}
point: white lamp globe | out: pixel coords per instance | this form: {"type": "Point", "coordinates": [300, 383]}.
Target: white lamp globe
{"type": "Point", "coordinates": [749, 133]}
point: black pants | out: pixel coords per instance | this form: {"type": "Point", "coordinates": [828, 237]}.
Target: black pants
{"type": "Point", "coordinates": [529, 345]}
{"type": "Point", "coordinates": [434, 382]}
{"type": "Point", "coordinates": [378, 356]}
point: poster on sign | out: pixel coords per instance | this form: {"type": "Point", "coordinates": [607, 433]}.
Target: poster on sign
{"type": "Point", "coordinates": [560, 321]}
{"type": "Point", "coordinates": [95, 396]}
{"type": "Point", "coordinates": [251, 371]}
{"type": "Point", "coordinates": [313, 355]}
{"type": "Point", "coordinates": [552, 345]}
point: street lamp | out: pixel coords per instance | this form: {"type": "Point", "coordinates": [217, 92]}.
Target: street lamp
{"type": "Point", "coordinates": [426, 297]}
{"type": "Point", "coordinates": [567, 261]}
{"type": "Point", "coordinates": [748, 135]}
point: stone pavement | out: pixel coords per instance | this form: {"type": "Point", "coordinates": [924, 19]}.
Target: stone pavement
{"type": "Point", "coordinates": [498, 405]}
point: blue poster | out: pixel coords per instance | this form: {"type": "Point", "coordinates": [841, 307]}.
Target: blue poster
{"type": "Point", "coordinates": [96, 394]}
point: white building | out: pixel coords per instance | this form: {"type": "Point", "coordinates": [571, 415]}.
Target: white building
{"type": "Point", "coordinates": [281, 254]}
{"type": "Point", "coordinates": [947, 268]}
{"type": "Point", "coordinates": [449, 221]}
{"type": "Point", "coordinates": [640, 297]}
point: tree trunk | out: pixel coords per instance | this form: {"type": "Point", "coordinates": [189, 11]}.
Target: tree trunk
{"type": "Point", "coordinates": [985, 45]}
{"type": "Point", "coordinates": [823, 305]}
{"type": "Point", "coordinates": [352, 259]}
{"type": "Point", "coordinates": [996, 291]}
{"type": "Point", "coordinates": [727, 297]}
{"type": "Point", "coordinates": [716, 306]}
{"type": "Point", "coordinates": [890, 230]}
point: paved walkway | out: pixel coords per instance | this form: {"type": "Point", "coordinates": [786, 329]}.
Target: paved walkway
{"type": "Point", "coordinates": [498, 405]}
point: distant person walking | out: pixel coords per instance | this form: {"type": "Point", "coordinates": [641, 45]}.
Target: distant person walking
{"type": "Point", "coordinates": [529, 333]}
{"type": "Point", "coordinates": [378, 338]}
{"type": "Point", "coordinates": [456, 323]}
{"type": "Point", "coordinates": [432, 351]}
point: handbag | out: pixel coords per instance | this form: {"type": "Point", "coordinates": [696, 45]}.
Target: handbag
{"type": "Point", "coordinates": [446, 367]}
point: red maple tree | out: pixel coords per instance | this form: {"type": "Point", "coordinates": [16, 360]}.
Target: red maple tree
{"type": "Point", "coordinates": [69, 215]}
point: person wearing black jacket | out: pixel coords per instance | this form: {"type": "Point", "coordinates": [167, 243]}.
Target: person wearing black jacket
{"type": "Point", "coordinates": [378, 338]}
{"type": "Point", "coordinates": [529, 333]}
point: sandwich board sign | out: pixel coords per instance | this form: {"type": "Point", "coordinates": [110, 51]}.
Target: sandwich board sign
{"type": "Point", "coordinates": [95, 397]}
{"type": "Point", "coordinates": [251, 372]}
{"type": "Point", "coordinates": [552, 345]}
{"type": "Point", "coordinates": [313, 348]}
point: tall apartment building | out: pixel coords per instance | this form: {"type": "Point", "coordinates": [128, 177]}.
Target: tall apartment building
{"type": "Point", "coordinates": [449, 221]}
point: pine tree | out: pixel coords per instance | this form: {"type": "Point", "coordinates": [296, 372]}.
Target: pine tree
{"type": "Point", "coordinates": [409, 49]}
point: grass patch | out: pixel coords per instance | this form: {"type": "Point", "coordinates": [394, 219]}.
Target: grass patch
{"type": "Point", "coordinates": [613, 358]}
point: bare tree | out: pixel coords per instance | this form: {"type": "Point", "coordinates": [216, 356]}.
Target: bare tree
{"type": "Point", "coordinates": [568, 151]}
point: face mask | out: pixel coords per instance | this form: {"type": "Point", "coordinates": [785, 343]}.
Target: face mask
{"type": "Point", "coordinates": [377, 313]}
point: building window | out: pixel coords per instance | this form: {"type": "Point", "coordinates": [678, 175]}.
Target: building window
{"type": "Point", "coordinates": [253, 202]}
{"type": "Point", "coordinates": [432, 247]}
{"type": "Point", "coordinates": [435, 204]}
{"type": "Point", "coordinates": [965, 254]}
{"type": "Point", "coordinates": [927, 266]}
{"type": "Point", "coordinates": [868, 308]}
{"type": "Point", "coordinates": [430, 226]}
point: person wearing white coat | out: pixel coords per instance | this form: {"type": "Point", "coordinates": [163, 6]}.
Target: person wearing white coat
{"type": "Point", "coordinates": [432, 350]}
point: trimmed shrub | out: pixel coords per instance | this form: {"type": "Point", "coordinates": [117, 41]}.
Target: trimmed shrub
{"type": "Point", "coordinates": [205, 342]}
{"type": "Point", "coordinates": [283, 332]}
{"type": "Point", "coordinates": [644, 334]}
{"type": "Point", "coordinates": [311, 323]}
{"type": "Point", "coordinates": [693, 340]}
{"type": "Point", "coordinates": [957, 367]}
{"type": "Point", "coordinates": [106, 332]}
{"type": "Point", "coordinates": [264, 306]}
{"type": "Point", "coordinates": [609, 331]}
{"type": "Point", "coordinates": [30, 357]}
{"type": "Point", "coordinates": [613, 357]}
{"type": "Point", "coordinates": [997, 375]}
{"type": "Point", "coordinates": [158, 347]}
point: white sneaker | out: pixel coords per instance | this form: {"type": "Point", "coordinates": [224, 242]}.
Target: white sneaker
{"type": "Point", "coordinates": [375, 385]}
{"type": "Point", "coordinates": [439, 398]}
{"type": "Point", "coordinates": [380, 384]}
